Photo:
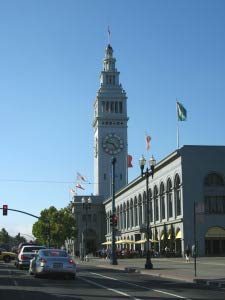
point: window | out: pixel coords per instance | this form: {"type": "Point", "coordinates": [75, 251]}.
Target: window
{"type": "Point", "coordinates": [177, 195]}
{"type": "Point", "coordinates": [214, 194]}
{"type": "Point", "coordinates": [162, 201]}
{"type": "Point", "coordinates": [156, 203]}
{"type": "Point", "coordinates": [214, 179]}
{"type": "Point", "coordinates": [120, 107]}
{"type": "Point", "coordinates": [170, 198]}
{"type": "Point", "coordinates": [140, 209]}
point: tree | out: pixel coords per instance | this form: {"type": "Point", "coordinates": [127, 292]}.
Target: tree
{"type": "Point", "coordinates": [4, 238]}
{"type": "Point", "coordinates": [62, 226]}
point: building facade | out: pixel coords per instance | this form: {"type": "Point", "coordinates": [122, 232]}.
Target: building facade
{"type": "Point", "coordinates": [186, 198]}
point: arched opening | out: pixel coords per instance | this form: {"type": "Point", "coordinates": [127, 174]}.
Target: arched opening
{"type": "Point", "coordinates": [215, 241]}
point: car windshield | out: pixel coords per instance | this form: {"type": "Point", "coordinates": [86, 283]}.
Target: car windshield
{"type": "Point", "coordinates": [54, 253]}
{"type": "Point", "coordinates": [31, 249]}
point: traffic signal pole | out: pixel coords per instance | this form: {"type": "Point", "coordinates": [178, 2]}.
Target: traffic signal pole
{"type": "Point", "coordinates": [113, 258]}
{"type": "Point", "coordinates": [26, 213]}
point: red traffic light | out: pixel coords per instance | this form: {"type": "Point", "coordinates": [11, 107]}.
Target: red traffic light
{"type": "Point", "coordinates": [115, 219]}
{"type": "Point", "coordinates": [5, 210]}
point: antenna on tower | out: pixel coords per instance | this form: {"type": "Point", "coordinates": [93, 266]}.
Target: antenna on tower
{"type": "Point", "coordinates": [108, 35]}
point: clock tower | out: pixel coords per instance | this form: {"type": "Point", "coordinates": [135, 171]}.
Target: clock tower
{"type": "Point", "coordinates": [110, 129]}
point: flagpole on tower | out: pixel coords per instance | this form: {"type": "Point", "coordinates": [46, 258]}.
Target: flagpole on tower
{"type": "Point", "coordinates": [178, 137]}
{"type": "Point", "coordinates": [108, 35]}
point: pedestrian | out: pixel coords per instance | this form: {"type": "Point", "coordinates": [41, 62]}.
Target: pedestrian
{"type": "Point", "coordinates": [187, 254]}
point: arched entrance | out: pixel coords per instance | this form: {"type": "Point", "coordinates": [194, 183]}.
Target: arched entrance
{"type": "Point", "coordinates": [91, 242]}
{"type": "Point", "coordinates": [215, 241]}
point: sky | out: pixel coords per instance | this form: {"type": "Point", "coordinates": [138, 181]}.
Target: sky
{"type": "Point", "coordinates": [51, 55]}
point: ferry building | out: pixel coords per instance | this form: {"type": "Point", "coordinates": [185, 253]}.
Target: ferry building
{"type": "Point", "coordinates": [186, 194]}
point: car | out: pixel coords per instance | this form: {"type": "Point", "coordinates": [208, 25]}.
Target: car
{"type": "Point", "coordinates": [7, 256]}
{"type": "Point", "coordinates": [52, 262]}
{"type": "Point", "coordinates": [26, 254]}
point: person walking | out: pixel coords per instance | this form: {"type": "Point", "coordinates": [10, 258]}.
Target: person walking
{"type": "Point", "coordinates": [187, 254]}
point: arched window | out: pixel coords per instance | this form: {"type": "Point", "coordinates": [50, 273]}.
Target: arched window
{"type": "Point", "coordinates": [169, 198]}
{"type": "Point", "coordinates": [131, 213]}
{"type": "Point", "coordinates": [124, 217]}
{"type": "Point", "coordinates": [213, 179]}
{"type": "Point", "coordinates": [135, 212]}
{"type": "Point", "coordinates": [214, 194]}
{"type": "Point", "coordinates": [156, 203]}
{"type": "Point", "coordinates": [162, 201]}
{"type": "Point", "coordinates": [177, 195]}
{"type": "Point", "coordinates": [121, 218]}
{"type": "Point", "coordinates": [140, 209]}
{"type": "Point", "coordinates": [128, 215]}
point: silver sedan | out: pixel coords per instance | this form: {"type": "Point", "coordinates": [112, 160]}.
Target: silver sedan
{"type": "Point", "coordinates": [53, 262]}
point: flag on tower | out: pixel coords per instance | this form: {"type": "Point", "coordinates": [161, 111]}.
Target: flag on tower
{"type": "Point", "coordinates": [147, 139]}
{"type": "Point", "coordinates": [81, 177]}
{"type": "Point", "coordinates": [181, 112]}
{"type": "Point", "coordinates": [79, 186]}
{"type": "Point", "coordinates": [129, 161]}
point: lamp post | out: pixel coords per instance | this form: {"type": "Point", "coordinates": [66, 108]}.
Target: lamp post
{"type": "Point", "coordinates": [148, 172]}
{"type": "Point", "coordinates": [113, 260]}
{"type": "Point", "coordinates": [86, 202]}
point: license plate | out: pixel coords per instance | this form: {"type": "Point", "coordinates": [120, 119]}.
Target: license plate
{"type": "Point", "coordinates": [57, 265]}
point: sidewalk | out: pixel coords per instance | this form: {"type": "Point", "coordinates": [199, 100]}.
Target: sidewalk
{"type": "Point", "coordinates": [209, 270]}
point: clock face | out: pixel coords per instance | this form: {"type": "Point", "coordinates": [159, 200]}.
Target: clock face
{"type": "Point", "coordinates": [112, 144]}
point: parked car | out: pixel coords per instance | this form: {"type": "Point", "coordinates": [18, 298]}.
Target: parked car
{"type": "Point", "coordinates": [25, 255]}
{"type": "Point", "coordinates": [7, 256]}
{"type": "Point", "coordinates": [52, 262]}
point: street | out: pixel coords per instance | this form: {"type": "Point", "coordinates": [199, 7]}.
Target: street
{"type": "Point", "coordinates": [98, 283]}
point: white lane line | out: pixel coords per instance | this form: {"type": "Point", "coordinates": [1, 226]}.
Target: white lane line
{"type": "Point", "coordinates": [109, 289]}
{"type": "Point", "coordinates": [143, 287]}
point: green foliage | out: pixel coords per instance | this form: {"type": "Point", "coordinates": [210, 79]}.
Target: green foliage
{"type": "Point", "coordinates": [8, 242]}
{"type": "Point", "coordinates": [62, 226]}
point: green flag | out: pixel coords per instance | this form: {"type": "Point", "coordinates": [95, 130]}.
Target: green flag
{"type": "Point", "coordinates": [181, 112]}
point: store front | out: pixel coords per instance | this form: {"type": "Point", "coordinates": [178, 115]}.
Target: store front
{"type": "Point", "coordinates": [215, 241]}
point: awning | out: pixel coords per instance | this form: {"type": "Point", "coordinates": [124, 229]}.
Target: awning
{"type": "Point", "coordinates": [107, 243]}
{"type": "Point", "coordinates": [140, 241]}
{"type": "Point", "coordinates": [215, 232]}
{"type": "Point", "coordinates": [162, 237]}
{"type": "Point", "coordinates": [125, 242]}
{"type": "Point", "coordinates": [144, 241]}
{"type": "Point", "coordinates": [178, 235]}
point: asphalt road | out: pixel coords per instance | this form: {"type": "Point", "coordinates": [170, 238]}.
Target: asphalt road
{"type": "Point", "coordinates": [94, 283]}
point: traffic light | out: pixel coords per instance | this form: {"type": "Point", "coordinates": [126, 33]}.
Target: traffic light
{"type": "Point", "coordinates": [111, 220]}
{"type": "Point", "coordinates": [115, 218]}
{"type": "Point", "coordinates": [5, 210]}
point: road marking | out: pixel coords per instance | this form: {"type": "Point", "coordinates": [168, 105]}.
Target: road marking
{"type": "Point", "coordinates": [109, 289]}
{"type": "Point", "coordinates": [140, 286]}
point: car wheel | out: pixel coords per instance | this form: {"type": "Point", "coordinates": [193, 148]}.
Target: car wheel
{"type": "Point", "coordinates": [7, 259]}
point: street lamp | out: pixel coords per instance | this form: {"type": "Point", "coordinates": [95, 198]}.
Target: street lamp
{"type": "Point", "coordinates": [148, 172]}
{"type": "Point", "coordinates": [86, 202]}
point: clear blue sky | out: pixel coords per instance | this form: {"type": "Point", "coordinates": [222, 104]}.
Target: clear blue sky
{"type": "Point", "coordinates": [51, 55]}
